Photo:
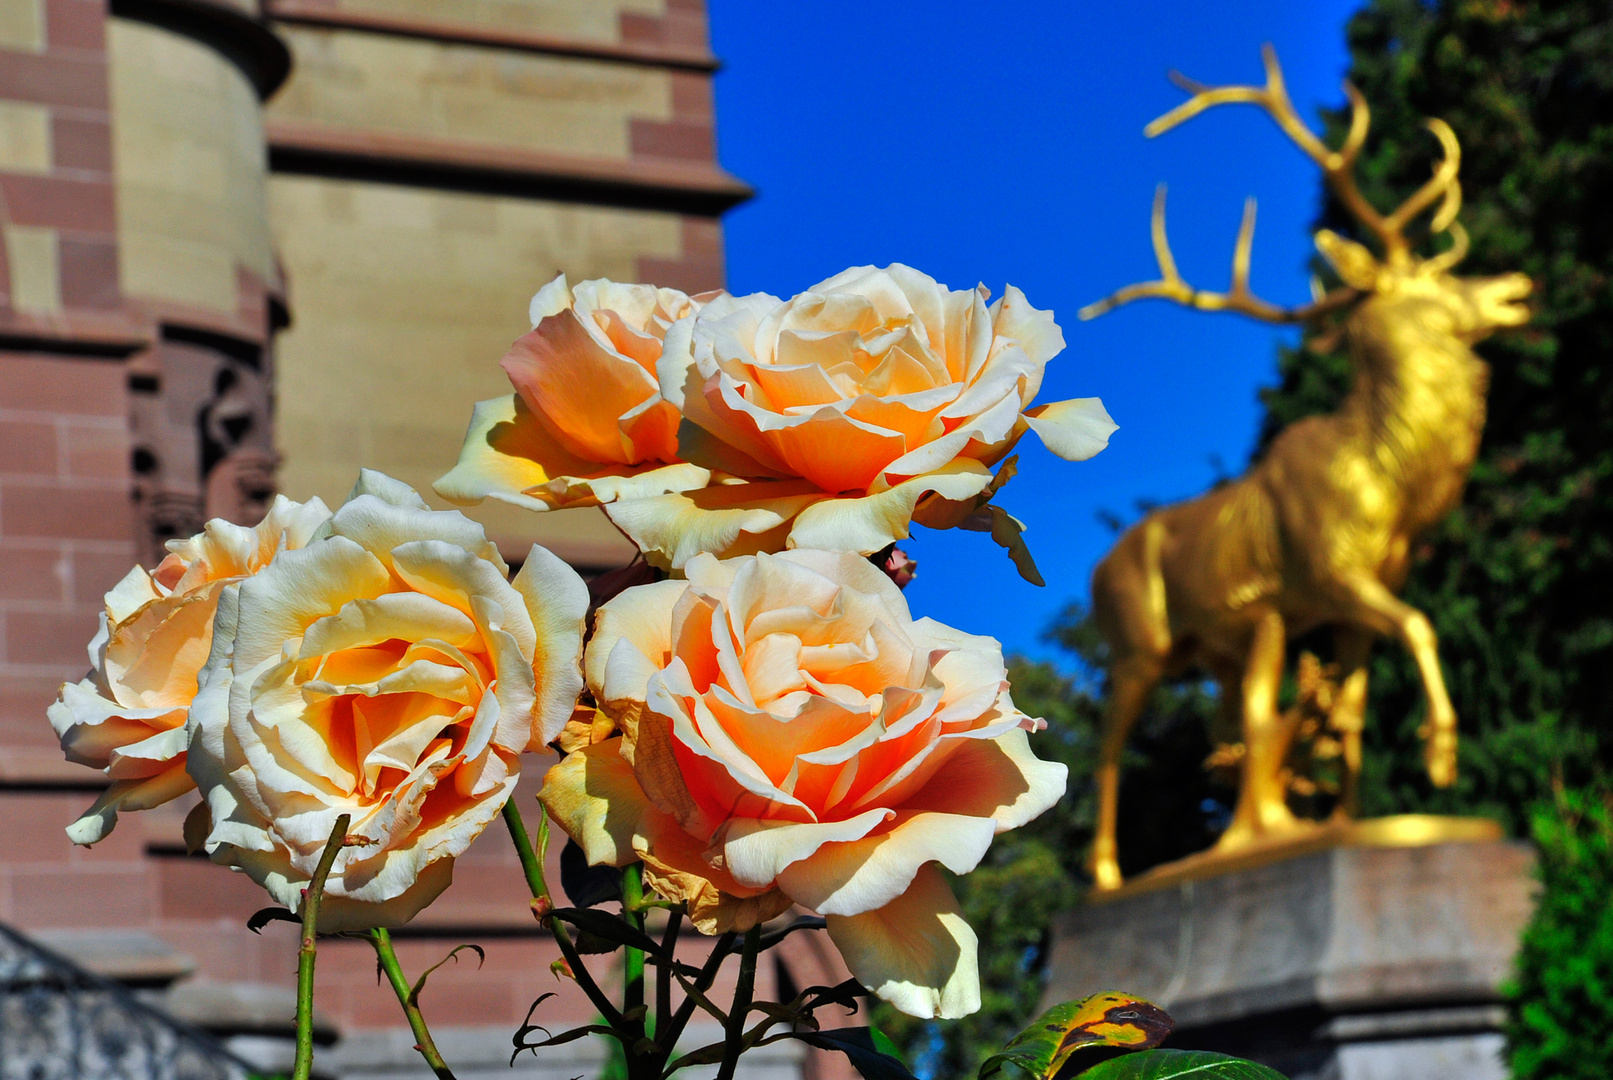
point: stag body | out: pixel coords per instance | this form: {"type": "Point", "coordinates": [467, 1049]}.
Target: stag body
{"type": "Point", "coordinates": [1319, 532]}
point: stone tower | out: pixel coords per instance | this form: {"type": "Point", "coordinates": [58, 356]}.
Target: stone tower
{"type": "Point", "coordinates": [249, 246]}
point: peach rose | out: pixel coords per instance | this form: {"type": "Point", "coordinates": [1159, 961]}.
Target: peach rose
{"type": "Point", "coordinates": [790, 734]}
{"type": "Point", "coordinates": [587, 423]}
{"type": "Point", "coordinates": [876, 398]}
{"type": "Point", "coordinates": [390, 671]}
{"type": "Point", "coordinates": [128, 717]}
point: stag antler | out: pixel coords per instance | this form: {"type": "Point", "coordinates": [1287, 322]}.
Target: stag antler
{"type": "Point", "coordinates": [1338, 170]}
{"type": "Point", "coordinates": [1171, 286]}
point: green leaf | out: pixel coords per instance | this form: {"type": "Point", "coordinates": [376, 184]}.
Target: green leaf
{"type": "Point", "coordinates": [863, 1049]}
{"type": "Point", "coordinates": [1170, 1064]}
{"type": "Point", "coordinates": [264, 916]}
{"type": "Point", "coordinates": [1107, 1019]}
{"type": "Point", "coordinates": [453, 954]}
{"type": "Point", "coordinates": [882, 1042]}
{"type": "Point", "coordinates": [611, 929]}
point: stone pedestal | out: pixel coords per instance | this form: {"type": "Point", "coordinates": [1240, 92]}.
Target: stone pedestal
{"type": "Point", "coordinates": [1353, 963]}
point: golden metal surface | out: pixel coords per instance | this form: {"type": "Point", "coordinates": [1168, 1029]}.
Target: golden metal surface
{"type": "Point", "coordinates": [1319, 532]}
{"type": "Point", "coordinates": [1400, 830]}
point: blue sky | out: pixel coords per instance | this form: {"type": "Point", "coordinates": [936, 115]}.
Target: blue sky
{"type": "Point", "coordinates": [1003, 143]}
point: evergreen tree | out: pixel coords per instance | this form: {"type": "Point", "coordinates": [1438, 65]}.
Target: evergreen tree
{"type": "Point", "coordinates": [1560, 1023]}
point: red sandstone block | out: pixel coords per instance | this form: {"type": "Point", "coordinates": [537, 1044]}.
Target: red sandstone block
{"type": "Point", "coordinates": [95, 572]}
{"type": "Point", "coordinates": [228, 952]}
{"type": "Point", "coordinates": [686, 28]}
{"type": "Point", "coordinates": [48, 637]}
{"type": "Point", "coordinates": [27, 447]}
{"type": "Point", "coordinates": [23, 700]}
{"type": "Point", "coordinates": [691, 96]}
{"type": "Point", "coordinates": [96, 451]}
{"type": "Point", "coordinates": [77, 81]}
{"type": "Point", "coordinates": [89, 271]}
{"type": "Point", "coordinates": [61, 384]}
{"type": "Point", "coordinates": [702, 236]}
{"type": "Point", "coordinates": [81, 143]}
{"type": "Point", "coordinates": [75, 24]}
{"type": "Point", "coordinates": [685, 140]}
{"type": "Point", "coordinates": [694, 275]}
{"type": "Point", "coordinates": [34, 824]}
{"type": "Point", "coordinates": [29, 751]}
{"type": "Point", "coordinates": [197, 889]}
{"type": "Point", "coordinates": [80, 896]}
{"type": "Point", "coordinates": [639, 28]}
{"type": "Point", "coordinates": [59, 203]}
{"type": "Point", "coordinates": [32, 573]}
{"type": "Point", "coordinates": [53, 510]}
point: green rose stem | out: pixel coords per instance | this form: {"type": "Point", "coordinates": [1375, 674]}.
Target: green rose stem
{"type": "Point", "coordinates": [409, 998]}
{"type": "Point", "coordinates": [305, 951]}
{"type": "Point", "coordinates": [532, 867]}
{"type": "Point", "coordinates": [668, 1036]}
{"type": "Point", "coordinates": [531, 862]}
{"type": "Point", "coordinates": [734, 1035]}
{"type": "Point", "coordinates": [633, 959]}
{"type": "Point", "coordinates": [663, 974]}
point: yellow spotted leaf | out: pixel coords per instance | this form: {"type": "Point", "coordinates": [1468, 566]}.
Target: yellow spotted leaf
{"type": "Point", "coordinates": [1108, 1019]}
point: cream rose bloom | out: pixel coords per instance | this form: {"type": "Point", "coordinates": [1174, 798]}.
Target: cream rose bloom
{"type": "Point", "coordinates": [390, 671]}
{"type": "Point", "coordinates": [587, 423]}
{"type": "Point", "coordinates": [876, 398]}
{"type": "Point", "coordinates": [790, 734]}
{"type": "Point", "coordinates": [128, 717]}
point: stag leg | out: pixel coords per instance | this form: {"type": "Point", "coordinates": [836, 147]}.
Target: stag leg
{"type": "Point", "coordinates": [1386, 613]}
{"type": "Point", "coordinates": [1262, 808]}
{"type": "Point", "coordinates": [1131, 680]}
{"type": "Point", "coordinates": [1352, 647]}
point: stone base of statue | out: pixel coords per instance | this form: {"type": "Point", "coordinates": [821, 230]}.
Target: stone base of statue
{"type": "Point", "coordinates": [1338, 960]}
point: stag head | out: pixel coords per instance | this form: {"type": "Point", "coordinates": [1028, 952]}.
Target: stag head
{"type": "Point", "coordinates": [1468, 308]}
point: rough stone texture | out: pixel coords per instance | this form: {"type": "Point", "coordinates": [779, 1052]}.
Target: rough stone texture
{"type": "Point", "coordinates": [190, 170]}
{"type": "Point", "coordinates": [584, 20]}
{"type": "Point", "coordinates": [1353, 963]}
{"type": "Point", "coordinates": [142, 246]}
{"type": "Point", "coordinates": [406, 299]}
{"type": "Point", "coordinates": [522, 100]}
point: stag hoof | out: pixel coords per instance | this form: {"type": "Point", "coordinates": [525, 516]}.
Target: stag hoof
{"type": "Point", "coordinates": [1105, 874]}
{"type": "Point", "coordinates": [1440, 755]}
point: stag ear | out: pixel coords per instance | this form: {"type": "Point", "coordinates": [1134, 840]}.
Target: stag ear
{"type": "Point", "coordinates": [1354, 263]}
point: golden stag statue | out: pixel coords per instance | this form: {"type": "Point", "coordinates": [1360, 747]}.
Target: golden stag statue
{"type": "Point", "coordinates": [1319, 532]}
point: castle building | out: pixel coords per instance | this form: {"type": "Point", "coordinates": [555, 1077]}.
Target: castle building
{"type": "Point", "coordinates": [249, 246]}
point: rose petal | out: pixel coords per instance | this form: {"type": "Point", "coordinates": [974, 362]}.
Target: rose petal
{"type": "Point", "coordinates": [728, 520]}
{"type": "Point", "coordinates": [557, 603]}
{"type": "Point", "coordinates": [1074, 430]}
{"type": "Point", "coordinates": [592, 795]}
{"type": "Point", "coordinates": [849, 878]}
{"type": "Point", "coordinates": [867, 523]}
{"type": "Point", "coordinates": [143, 793]}
{"type": "Point", "coordinates": [757, 852]}
{"type": "Point", "coordinates": [916, 952]}
{"type": "Point", "coordinates": [997, 778]}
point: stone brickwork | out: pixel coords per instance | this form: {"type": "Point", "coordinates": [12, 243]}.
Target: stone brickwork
{"type": "Point", "coordinates": [65, 538]}
{"type": "Point", "coordinates": [427, 167]}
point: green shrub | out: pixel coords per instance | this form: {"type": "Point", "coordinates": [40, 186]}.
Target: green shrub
{"type": "Point", "coordinates": [1561, 1000]}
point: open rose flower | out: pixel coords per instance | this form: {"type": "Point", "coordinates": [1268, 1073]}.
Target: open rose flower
{"type": "Point", "coordinates": [873, 399]}
{"type": "Point", "coordinates": [790, 734]}
{"type": "Point", "coordinates": [390, 671]}
{"type": "Point", "coordinates": [587, 423]}
{"type": "Point", "coordinates": [128, 717]}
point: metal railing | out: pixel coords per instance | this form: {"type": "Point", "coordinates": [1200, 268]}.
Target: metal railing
{"type": "Point", "coordinates": [61, 1022]}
